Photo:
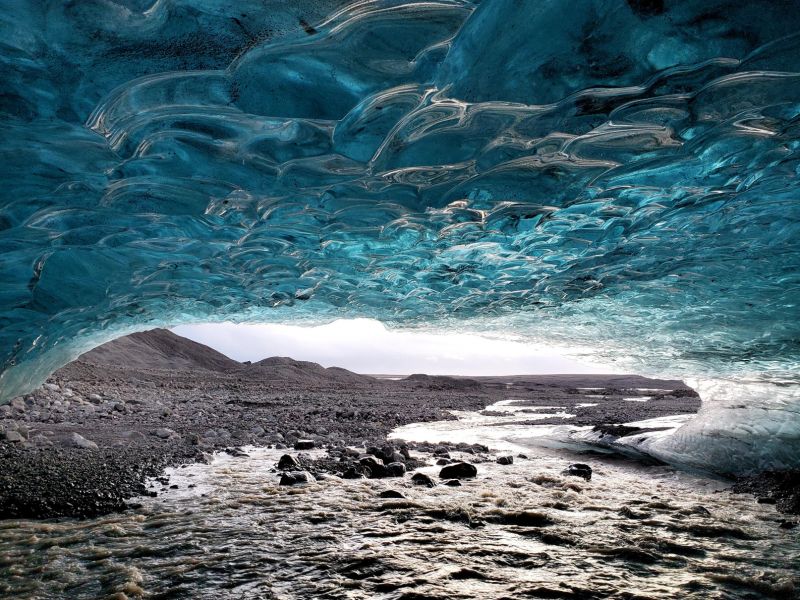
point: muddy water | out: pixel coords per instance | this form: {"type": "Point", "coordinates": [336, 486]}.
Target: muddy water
{"type": "Point", "coordinates": [518, 531]}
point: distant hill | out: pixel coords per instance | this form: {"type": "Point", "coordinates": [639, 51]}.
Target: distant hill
{"type": "Point", "coordinates": [158, 349]}
{"type": "Point", "coordinates": [162, 349]}
{"type": "Point", "coordinates": [285, 369]}
{"type": "Point", "coordinates": [441, 382]}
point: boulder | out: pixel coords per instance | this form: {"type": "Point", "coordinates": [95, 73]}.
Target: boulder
{"type": "Point", "coordinates": [579, 470]}
{"type": "Point", "coordinates": [422, 479]}
{"type": "Point", "coordinates": [352, 473]}
{"type": "Point", "coordinates": [296, 478]}
{"type": "Point", "coordinates": [373, 468]}
{"type": "Point", "coordinates": [304, 444]}
{"type": "Point", "coordinates": [505, 460]}
{"type": "Point", "coordinates": [390, 494]}
{"type": "Point", "coordinates": [396, 469]}
{"type": "Point", "coordinates": [453, 483]}
{"type": "Point", "coordinates": [78, 441]}
{"type": "Point", "coordinates": [14, 437]}
{"type": "Point", "coordinates": [288, 462]}
{"type": "Point", "coordinates": [459, 470]}
{"type": "Point", "coordinates": [163, 433]}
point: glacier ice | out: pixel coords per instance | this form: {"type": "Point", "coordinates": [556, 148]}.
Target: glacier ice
{"type": "Point", "coordinates": [616, 174]}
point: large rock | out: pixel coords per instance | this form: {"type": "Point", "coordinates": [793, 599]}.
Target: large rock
{"type": "Point", "coordinates": [396, 469]}
{"type": "Point", "coordinates": [76, 440]}
{"type": "Point", "coordinates": [163, 432]}
{"type": "Point", "coordinates": [390, 494]}
{"type": "Point", "coordinates": [304, 444]}
{"type": "Point", "coordinates": [373, 467]}
{"type": "Point", "coordinates": [422, 479]}
{"type": "Point", "coordinates": [14, 436]}
{"type": "Point", "coordinates": [288, 462]}
{"type": "Point", "coordinates": [579, 470]}
{"type": "Point", "coordinates": [296, 478]}
{"type": "Point", "coordinates": [459, 470]}
{"type": "Point", "coordinates": [505, 460]}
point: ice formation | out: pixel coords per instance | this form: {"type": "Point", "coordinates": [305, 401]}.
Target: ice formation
{"type": "Point", "coordinates": [616, 173]}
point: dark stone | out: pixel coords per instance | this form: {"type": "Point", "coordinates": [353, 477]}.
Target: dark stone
{"type": "Point", "coordinates": [459, 470]}
{"type": "Point", "coordinates": [579, 470]}
{"type": "Point", "coordinates": [442, 462]}
{"type": "Point", "coordinates": [396, 469]}
{"type": "Point", "coordinates": [288, 462]}
{"type": "Point", "coordinates": [304, 444]}
{"type": "Point", "coordinates": [766, 500]}
{"type": "Point", "coordinates": [352, 473]}
{"type": "Point", "coordinates": [422, 479]}
{"type": "Point", "coordinates": [505, 460]}
{"type": "Point", "coordinates": [372, 468]}
{"type": "Point", "coordinates": [296, 478]}
{"type": "Point", "coordinates": [788, 524]}
{"type": "Point", "coordinates": [453, 483]}
{"type": "Point", "coordinates": [390, 494]}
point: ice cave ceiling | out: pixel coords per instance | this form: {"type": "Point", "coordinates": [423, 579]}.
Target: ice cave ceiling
{"type": "Point", "coordinates": [617, 173]}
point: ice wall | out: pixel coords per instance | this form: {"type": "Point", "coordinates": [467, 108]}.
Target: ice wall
{"type": "Point", "coordinates": [620, 174]}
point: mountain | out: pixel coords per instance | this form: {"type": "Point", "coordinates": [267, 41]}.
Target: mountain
{"type": "Point", "coordinates": [285, 369]}
{"type": "Point", "coordinates": [162, 349]}
{"type": "Point", "coordinates": [158, 349]}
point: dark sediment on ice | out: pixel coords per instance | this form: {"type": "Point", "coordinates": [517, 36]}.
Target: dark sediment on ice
{"type": "Point", "coordinates": [90, 437]}
{"type": "Point", "coordinates": [781, 488]}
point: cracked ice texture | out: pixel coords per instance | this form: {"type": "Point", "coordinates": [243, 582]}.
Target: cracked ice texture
{"type": "Point", "coordinates": [619, 174]}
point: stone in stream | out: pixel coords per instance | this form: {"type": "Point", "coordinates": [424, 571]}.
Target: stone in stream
{"type": "Point", "coordinates": [304, 444]}
{"type": "Point", "coordinates": [453, 483]}
{"type": "Point", "coordinates": [288, 462]}
{"type": "Point", "coordinates": [422, 479]}
{"type": "Point", "coordinates": [390, 494]}
{"type": "Point", "coordinates": [396, 469]}
{"type": "Point", "coordinates": [579, 470]}
{"type": "Point", "coordinates": [459, 470]}
{"type": "Point", "coordinates": [505, 460]}
{"type": "Point", "coordinates": [296, 478]}
{"type": "Point", "coordinates": [373, 468]}
{"type": "Point", "coordinates": [352, 473]}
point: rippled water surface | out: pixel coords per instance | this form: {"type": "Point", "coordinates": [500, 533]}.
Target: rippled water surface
{"type": "Point", "coordinates": [518, 531]}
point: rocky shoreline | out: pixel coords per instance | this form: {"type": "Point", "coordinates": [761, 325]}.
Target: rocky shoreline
{"type": "Point", "coordinates": [88, 440]}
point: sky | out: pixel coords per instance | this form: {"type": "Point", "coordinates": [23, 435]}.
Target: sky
{"type": "Point", "coordinates": [367, 346]}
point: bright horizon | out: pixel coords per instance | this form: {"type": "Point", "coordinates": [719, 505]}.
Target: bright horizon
{"type": "Point", "coordinates": [367, 346]}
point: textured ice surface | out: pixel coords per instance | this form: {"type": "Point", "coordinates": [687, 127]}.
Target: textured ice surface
{"type": "Point", "coordinates": [619, 174]}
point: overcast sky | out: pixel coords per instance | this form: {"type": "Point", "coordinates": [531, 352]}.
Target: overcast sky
{"type": "Point", "coordinates": [366, 346]}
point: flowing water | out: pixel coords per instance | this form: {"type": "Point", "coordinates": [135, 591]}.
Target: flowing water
{"type": "Point", "coordinates": [517, 531]}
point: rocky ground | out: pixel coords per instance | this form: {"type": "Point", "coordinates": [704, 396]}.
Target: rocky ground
{"type": "Point", "coordinates": [87, 440]}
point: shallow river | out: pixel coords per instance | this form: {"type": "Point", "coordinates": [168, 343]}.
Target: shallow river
{"type": "Point", "coordinates": [516, 531]}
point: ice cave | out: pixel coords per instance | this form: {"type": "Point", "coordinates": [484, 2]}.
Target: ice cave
{"type": "Point", "coordinates": [616, 174]}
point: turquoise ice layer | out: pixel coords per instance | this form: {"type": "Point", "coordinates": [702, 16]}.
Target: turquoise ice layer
{"type": "Point", "coordinates": [619, 175]}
